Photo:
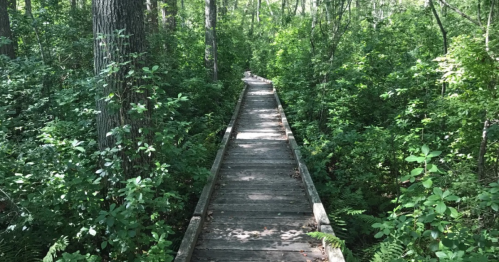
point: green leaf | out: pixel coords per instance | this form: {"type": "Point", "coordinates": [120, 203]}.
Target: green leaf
{"type": "Point", "coordinates": [417, 171]}
{"type": "Point", "coordinates": [377, 225]}
{"type": "Point", "coordinates": [441, 207]}
{"type": "Point", "coordinates": [441, 254]}
{"type": "Point", "coordinates": [79, 148]}
{"type": "Point", "coordinates": [429, 218]}
{"type": "Point", "coordinates": [453, 212]}
{"type": "Point", "coordinates": [154, 68]}
{"type": "Point", "coordinates": [495, 207]}
{"type": "Point", "coordinates": [425, 150]}
{"type": "Point", "coordinates": [446, 193]}
{"type": "Point", "coordinates": [379, 234]}
{"type": "Point", "coordinates": [434, 153]}
{"type": "Point", "coordinates": [427, 183]}
{"type": "Point", "coordinates": [438, 191]}
{"type": "Point", "coordinates": [103, 244]}
{"type": "Point", "coordinates": [411, 158]}
{"type": "Point", "coordinates": [131, 233]}
{"type": "Point", "coordinates": [434, 198]}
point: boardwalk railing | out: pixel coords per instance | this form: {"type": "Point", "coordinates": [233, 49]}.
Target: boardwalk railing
{"type": "Point", "coordinates": [196, 224]}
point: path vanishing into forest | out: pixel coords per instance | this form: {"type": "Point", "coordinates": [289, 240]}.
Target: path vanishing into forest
{"type": "Point", "coordinates": [260, 202]}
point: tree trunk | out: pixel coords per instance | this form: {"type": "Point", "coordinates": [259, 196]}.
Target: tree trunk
{"type": "Point", "coordinates": [6, 49]}
{"type": "Point", "coordinates": [444, 38]}
{"type": "Point", "coordinates": [210, 56]}
{"type": "Point", "coordinates": [483, 150]}
{"type": "Point", "coordinates": [270, 8]}
{"type": "Point", "coordinates": [258, 6]}
{"type": "Point", "coordinates": [168, 15]}
{"type": "Point", "coordinates": [152, 16]}
{"type": "Point", "coordinates": [252, 18]}
{"type": "Point", "coordinates": [73, 5]}
{"type": "Point", "coordinates": [27, 8]}
{"type": "Point", "coordinates": [314, 14]}
{"type": "Point", "coordinates": [303, 4]}
{"type": "Point", "coordinates": [117, 92]}
{"type": "Point", "coordinates": [296, 7]}
{"type": "Point", "coordinates": [283, 11]}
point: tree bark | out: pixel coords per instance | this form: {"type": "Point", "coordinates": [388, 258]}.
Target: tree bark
{"type": "Point", "coordinates": [303, 4]}
{"type": "Point", "coordinates": [283, 11]}
{"type": "Point", "coordinates": [296, 7]}
{"type": "Point", "coordinates": [117, 93]}
{"type": "Point", "coordinates": [270, 8]}
{"type": "Point", "coordinates": [314, 14]}
{"type": "Point", "coordinates": [459, 12]}
{"type": "Point", "coordinates": [27, 8]}
{"type": "Point", "coordinates": [483, 150]}
{"type": "Point", "coordinates": [487, 31]}
{"type": "Point", "coordinates": [210, 55]}
{"type": "Point", "coordinates": [258, 6]}
{"type": "Point", "coordinates": [152, 16]}
{"type": "Point", "coordinates": [444, 38]}
{"type": "Point", "coordinates": [6, 49]}
{"type": "Point", "coordinates": [168, 15]}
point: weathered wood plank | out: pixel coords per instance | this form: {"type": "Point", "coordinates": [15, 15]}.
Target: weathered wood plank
{"type": "Point", "coordinates": [237, 198]}
{"type": "Point", "coordinates": [189, 241]}
{"type": "Point", "coordinates": [242, 255]}
{"type": "Point", "coordinates": [253, 200]}
{"type": "Point", "coordinates": [291, 184]}
{"type": "Point", "coordinates": [295, 221]}
{"type": "Point", "coordinates": [256, 232]}
{"type": "Point", "coordinates": [293, 208]}
{"type": "Point", "coordinates": [257, 214]}
{"type": "Point", "coordinates": [264, 245]}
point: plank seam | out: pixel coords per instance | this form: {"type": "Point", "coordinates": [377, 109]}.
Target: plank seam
{"type": "Point", "coordinates": [188, 244]}
{"type": "Point", "coordinates": [333, 254]}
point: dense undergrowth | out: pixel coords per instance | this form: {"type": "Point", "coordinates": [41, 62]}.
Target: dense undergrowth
{"type": "Point", "coordinates": [63, 199]}
{"type": "Point", "coordinates": [393, 156]}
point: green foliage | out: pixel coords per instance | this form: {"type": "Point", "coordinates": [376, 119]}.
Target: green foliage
{"type": "Point", "coordinates": [58, 246]}
{"type": "Point", "coordinates": [54, 181]}
{"type": "Point", "coordinates": [363, 91]}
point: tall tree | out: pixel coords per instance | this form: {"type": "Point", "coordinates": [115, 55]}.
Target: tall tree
{"type": "Point", "coordinates": [113, 49]}
{"type": "Point", "coordinates": [169, 11]}
{"type": "Point", "coordinates": [258, 6]}
{"type": "Point", "coordinates": [210, 56]}
{"type": "Point", "coordinates": [152, 15]}
{"type": "Point", "coordinates": [5, 31]}
{"type": "Point", "coordinates": [444, 38]}
{"type": "Point", "coordinates": [27, 7]}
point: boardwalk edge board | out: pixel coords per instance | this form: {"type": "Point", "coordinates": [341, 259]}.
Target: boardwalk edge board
{"type": "Point", "coordinates": [188, 244]}
{"type": "Point", "coordinates": [333, 254]}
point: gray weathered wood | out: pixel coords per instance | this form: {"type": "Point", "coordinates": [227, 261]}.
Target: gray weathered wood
{"type": "Point", "coordinates": [333, 254]}
{"type": "Point", "coordinates": [260, 201]}
{"type": "Point", "coordinates": [243, 255]}
{"type": "Point", "coordinates": [189, 241]}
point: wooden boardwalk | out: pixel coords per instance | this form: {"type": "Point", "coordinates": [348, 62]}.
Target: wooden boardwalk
{"type": "Point", "coordinates": [258, 208]}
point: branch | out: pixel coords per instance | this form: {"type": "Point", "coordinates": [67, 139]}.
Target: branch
{"type": "Point", "coordinates": [461, 13]}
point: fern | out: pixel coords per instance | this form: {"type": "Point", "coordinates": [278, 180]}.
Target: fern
{"type": "Point", "coordinates": [331, 239]}
{"type": "Point", "coordinates": [389, 252]}
{"type": "Point", "coordinates": [7, 253]}
{"type": "Point", "coordinates": [335, 242]}
{"type": "Point", "coordinates": [59, 245]}
{"type": "Point", "coordinates": [20, 249]}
